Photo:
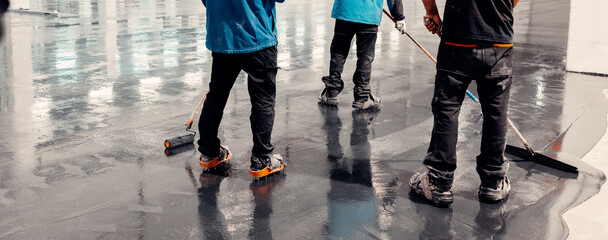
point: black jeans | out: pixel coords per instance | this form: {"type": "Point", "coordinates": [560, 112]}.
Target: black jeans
{"type": "Point", "coordinates": [340, 45]}
{"type": "Point", "coordinates": [457, 66]}
{"type": "Point", "coordinates": [261, 67]}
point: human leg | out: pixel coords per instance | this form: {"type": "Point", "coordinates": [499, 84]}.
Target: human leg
{"type": "Point", "coordinates": [340, 46]}
{"type": "Point", "coordinates": [223, 75]}
{"type": "Point", "coordinates": [494, 89]}
{"type": "Point", "coordinates": [449, 93]}
{"type": "Point", "coordinates": [435, 181]}
{"type": "Point", "coordinates": [366, 47]}
{"type": "Point", "coordinates": [261, 83]}
{"type": "Point", "coordinates": [451, 82]}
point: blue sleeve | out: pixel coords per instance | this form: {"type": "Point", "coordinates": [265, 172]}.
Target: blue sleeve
{"type": "Point", "coordinates": [204, 2]}
{"type": "Point", "coordinates": [396, 9]}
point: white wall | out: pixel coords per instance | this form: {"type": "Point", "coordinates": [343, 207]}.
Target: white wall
{"type": "Point", "coordinates": [588, 37]}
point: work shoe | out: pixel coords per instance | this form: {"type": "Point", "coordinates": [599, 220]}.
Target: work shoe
{"type": "Point", "coordinates": [496, 193]}
{"type": "Point", "coordinates": [262, 167]}
{"type": "Point", "coordinates": [422, 185]}
{"type": "Point", "coordinates": [326, 98]}
{"type": "Point", "coordinates": [211, 162]}
{"type": "Point", "coordinates": [371, 103]}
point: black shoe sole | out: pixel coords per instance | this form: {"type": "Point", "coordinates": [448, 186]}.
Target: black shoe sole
{"type": "Point", "coordinates": [491, 200]}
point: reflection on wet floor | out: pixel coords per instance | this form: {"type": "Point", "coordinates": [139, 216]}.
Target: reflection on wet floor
{"type": "Point", "coordinates": [211, 218]}
{"type": "Point", "coordinates": [351, 197]}
{"type": "Point", "coordinates": [87, 99]}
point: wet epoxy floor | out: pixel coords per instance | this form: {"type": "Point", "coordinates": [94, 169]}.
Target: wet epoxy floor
{"type": "Point", "coordinates": [87, 99]}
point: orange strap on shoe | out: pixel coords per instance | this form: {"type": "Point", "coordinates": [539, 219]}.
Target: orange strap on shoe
{"type": "Point", "coordinates": [265, 172]}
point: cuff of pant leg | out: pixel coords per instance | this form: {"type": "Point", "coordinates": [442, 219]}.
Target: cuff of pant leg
{"type": "Point", "coordinates": [437, 165]}
{"type": "Point", "coordinates": [209, 153]}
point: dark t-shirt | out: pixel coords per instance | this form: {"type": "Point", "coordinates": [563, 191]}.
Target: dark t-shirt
{"type": "Point", "coordinates": [485, 20]}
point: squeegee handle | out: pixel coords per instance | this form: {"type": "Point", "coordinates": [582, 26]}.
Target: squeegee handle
{"type": "Point", "coordinates": [413, 40]}
{"type": "Point", "coordinates": [472, 96]}
{"type": "Point", "coordinates": [521, 137]}
{"type": "Point", "coordinates": [425, 51]}
{"type": "Point", "coordinates": [196, 111]}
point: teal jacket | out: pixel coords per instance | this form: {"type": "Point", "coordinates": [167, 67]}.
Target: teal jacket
{"type": "Point", "coordinates": [365, 11]}
{"type": "Point", "coordinates": [240, 26]}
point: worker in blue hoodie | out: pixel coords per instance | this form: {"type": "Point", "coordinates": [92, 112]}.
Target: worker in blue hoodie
{"type": "Point", "coordinates": [241, 35]}
{"type": "Point", "coordinates": [359, 18]}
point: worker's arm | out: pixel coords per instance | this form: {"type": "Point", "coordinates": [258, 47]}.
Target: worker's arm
{"type": "Point", "coordinates": [432, 20]}
{"type": "Point", "coordinates": [396, 9]}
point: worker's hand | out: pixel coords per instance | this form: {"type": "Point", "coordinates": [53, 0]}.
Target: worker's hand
{"type": "Point", "coordinates": [400, 25]}
{"type": "Point", "coordinates": [432, 22]}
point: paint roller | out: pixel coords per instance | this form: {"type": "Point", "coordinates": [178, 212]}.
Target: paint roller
{"type": "Point", "coordinates": [189, 138]}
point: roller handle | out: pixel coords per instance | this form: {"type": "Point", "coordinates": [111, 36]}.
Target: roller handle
{"type": "Point", "coordinates": [388, 15]}
{"type": "Point", "coordinates": [196, 111]}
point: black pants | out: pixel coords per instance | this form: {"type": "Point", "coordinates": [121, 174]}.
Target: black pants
{"type": "Point", "coordinates": [261, 66]}
{"type": "Point", "coordinates": [457, 66]}
{"type": "Point", "coordinates": [340, 45]}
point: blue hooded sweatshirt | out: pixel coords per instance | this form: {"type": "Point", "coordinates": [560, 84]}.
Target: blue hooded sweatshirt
{"type": "Point", "coordinates": [240, 26]}
{"type": "Point", "coordinates": [365, 11]}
